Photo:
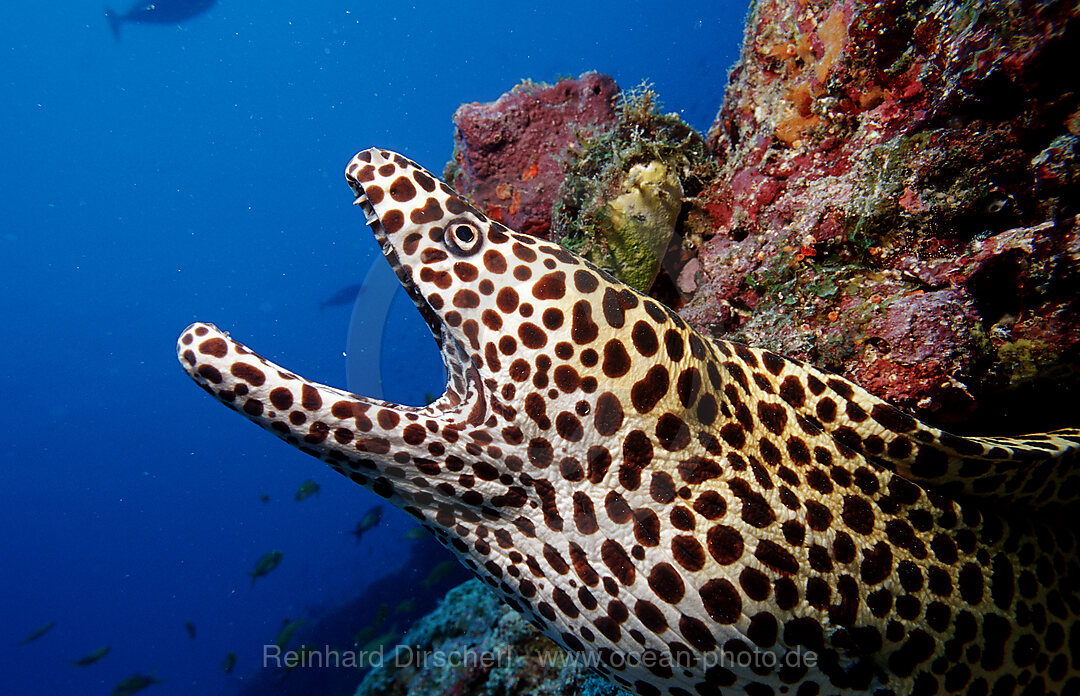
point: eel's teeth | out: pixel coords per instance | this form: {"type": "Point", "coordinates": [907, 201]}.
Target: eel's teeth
{"type": "Point", "coordinates": [369, 212]}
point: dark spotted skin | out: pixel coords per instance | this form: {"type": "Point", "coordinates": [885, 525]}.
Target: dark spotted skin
{"type": "Point", "coordinates": [636, 488]}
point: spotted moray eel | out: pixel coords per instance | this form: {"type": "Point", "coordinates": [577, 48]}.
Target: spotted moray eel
{"type": "Point", "coordinates": [691, 515]}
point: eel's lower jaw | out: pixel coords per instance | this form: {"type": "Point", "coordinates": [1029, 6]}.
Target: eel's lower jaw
{"type": "Point", "coordinates": [268, 394]}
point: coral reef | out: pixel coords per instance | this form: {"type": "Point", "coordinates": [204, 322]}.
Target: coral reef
{"type": "Point", "coordinates": [473, 643]}
{"type": "Point", "coordinates": [621, 204]}
{"type": "Point", "coordinates": [897, 201]}
{"type": "Point", "coordinates": [890, 191]}
{"type": "Point", "coordinates": [508, 153]}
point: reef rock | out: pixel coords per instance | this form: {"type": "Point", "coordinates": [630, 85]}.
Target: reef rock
{"type": "Point", "coordinates": [897, 201]}
{"type": "Point", "coordinates": [476, 644]}
{"type": "Point", "coordinates": [508, 154]}
{"type": "Point", "coordinates": [890, 191]}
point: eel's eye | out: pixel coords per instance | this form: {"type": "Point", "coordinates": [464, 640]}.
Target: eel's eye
{"type": "Point", "coordinates": [462, 237]}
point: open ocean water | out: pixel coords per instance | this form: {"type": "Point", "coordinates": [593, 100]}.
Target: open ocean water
{"type": "Point", "coordinates": [194, 171]}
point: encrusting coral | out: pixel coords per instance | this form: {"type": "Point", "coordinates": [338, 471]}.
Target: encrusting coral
{"type": "Point", "coordinates": [897, 202]}
{"type": "Point", "coordinates": [476, 644]}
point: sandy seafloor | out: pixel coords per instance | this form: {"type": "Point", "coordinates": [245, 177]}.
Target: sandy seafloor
{"type": "Point", "coordinates": [195, 172]}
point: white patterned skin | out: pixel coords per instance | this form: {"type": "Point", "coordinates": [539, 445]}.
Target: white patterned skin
{"type": "Point", "coordinates": [692, 516]}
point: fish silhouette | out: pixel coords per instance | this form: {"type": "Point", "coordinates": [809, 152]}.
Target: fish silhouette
{"type": "Point", "coordinates": [266, 563]}
{"type": "Point", "coordinates": [368, 522]}
{"type": "Point", "coordinates": [157, 12]}
{"type": "Point", "coordinates": [38, 632]}
{"type": "Point", "coordinates": [344, 296]}
{"type": "Point", "coordinates": [91, 658]}
{"type": "Point", "coordinates": [306, 490]}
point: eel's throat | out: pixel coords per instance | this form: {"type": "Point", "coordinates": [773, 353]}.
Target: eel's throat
{"type": "Point", "coordinates": [390, 448]}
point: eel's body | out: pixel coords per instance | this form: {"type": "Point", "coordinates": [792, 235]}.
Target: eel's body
{"type": "Point", "coordinates": [695, 516]}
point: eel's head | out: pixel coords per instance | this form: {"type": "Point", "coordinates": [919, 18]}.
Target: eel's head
{"type": "Point", "coordinates": [513, 315]}
{"type": "Point", "coordinates": [437, 245]}
{"type": "Point", "coordinates": [522, 326]}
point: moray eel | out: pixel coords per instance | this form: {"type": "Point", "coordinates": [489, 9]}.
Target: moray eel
{"type": "Point", "coordinates": [690, 516]}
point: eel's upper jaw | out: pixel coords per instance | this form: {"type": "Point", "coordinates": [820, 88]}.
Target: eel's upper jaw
{"type": "Point", "coordinates": [433, 321]}
{"type": "Point", "coordinates": [453, 354]}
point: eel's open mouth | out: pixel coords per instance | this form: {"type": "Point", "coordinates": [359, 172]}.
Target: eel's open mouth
{"type": "Point", "coordinates": [461, 377]}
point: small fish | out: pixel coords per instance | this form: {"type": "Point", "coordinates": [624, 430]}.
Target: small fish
{"type": "Point", "coordinates": [381, 613]}
{"type": "Point", "coordinates": [405, 606]}
{"type": "Point", "coordinates": [134, 684]}
{"type": "Point", "coordinates": [368, 522]}
{"type": "Point", "coordinates": [438, 573]}
{"type": "Point", "coordinates": [266, 563]}
{"type": "Point", "coordinates": [372, 517]}
{"type": "Point", "coordinates": [288, 628]}
{"type": "Point", "coordinates": [415, 534]}
{"type": "Point", "coordinates": [265, 497]}
{"type": "Point", "coordinates": [91, 658]}
{"type": "Point", "coordinates": [228, 663]}
{"type": "Point", "coordinates": [37, 633]}
{"type": "Point", "coordinates": [306, 490]}
{"type": "Point", "coordinates": [382, 640]}
{"type": "Point", "coordinates": [344, 296]}
{"type": "Point", "coordinates": [157, 12]}
{"type": "Point", "coordinates": [364, 635]}
{"type": "Point", "coordinates": [190, 628]}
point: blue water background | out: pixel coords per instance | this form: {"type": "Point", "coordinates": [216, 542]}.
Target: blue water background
{"type": "Point", "coordinates": [195, 173]}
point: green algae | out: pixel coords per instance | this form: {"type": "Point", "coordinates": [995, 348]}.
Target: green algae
{"type": "Point", "coordinates": [1025, 362]}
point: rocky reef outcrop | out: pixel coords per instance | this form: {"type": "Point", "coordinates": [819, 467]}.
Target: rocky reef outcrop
{"type": "Point", "coordinates": [897, 200]}
{"type": "Point", "coordinates": [509, 155]}
{"type": "Point", "coordinates": [889, 191]}
{"type": "Point", "coordinates": [475, 644]}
